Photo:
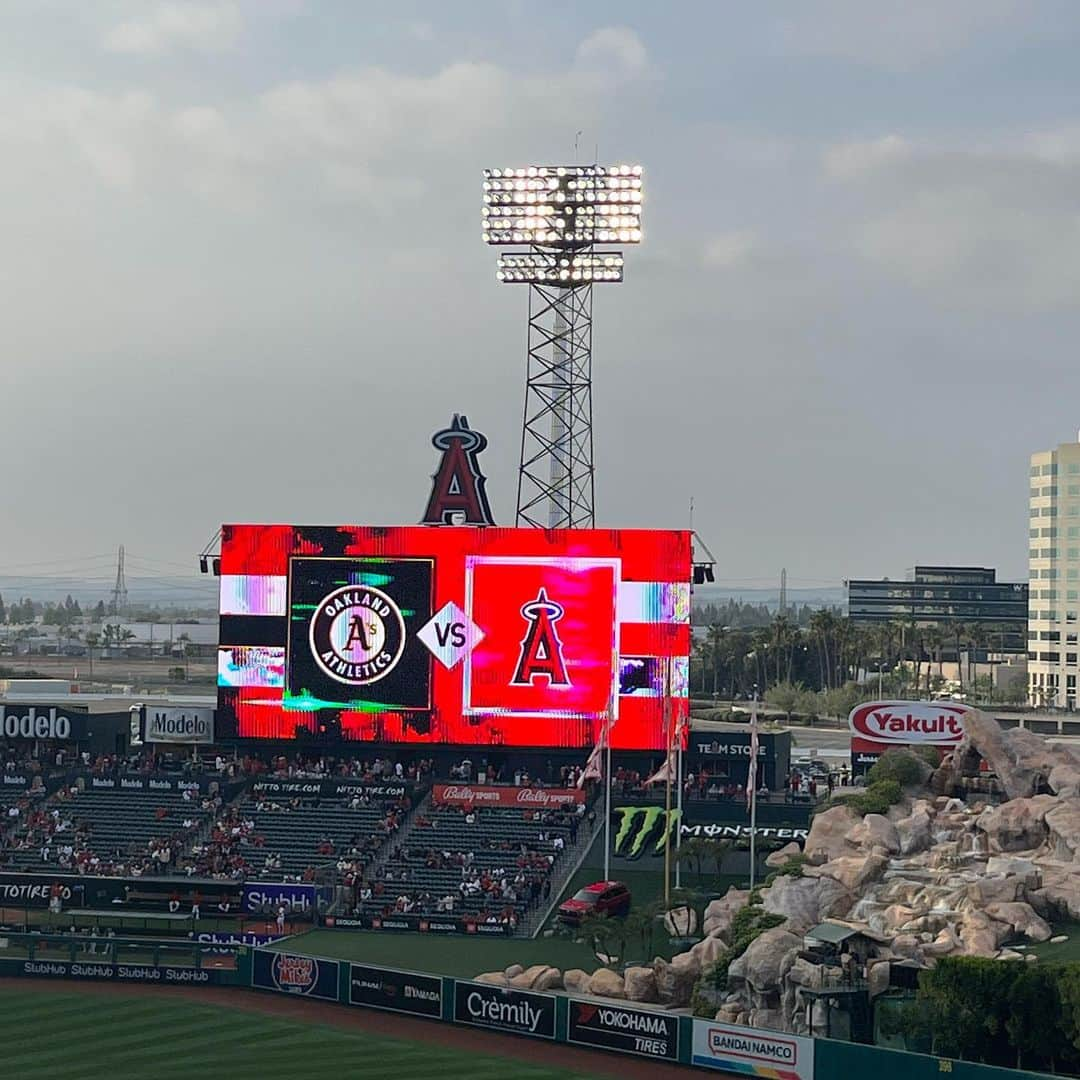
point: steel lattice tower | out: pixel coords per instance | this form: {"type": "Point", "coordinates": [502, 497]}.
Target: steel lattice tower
{"type": "Point", "coordinates": [560, 212]}
{"type": "Point", "coordinates": [119, 602]}
{"type": "Point", "coordinates": [555, 481]}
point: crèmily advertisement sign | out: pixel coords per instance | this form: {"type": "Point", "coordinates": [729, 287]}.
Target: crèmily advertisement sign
{"type": "Point", "coordinates": [396, 991]}
{"type": "Point", "coordinates": [291, 974]}
{"type": "Point", "coordinates": [649, 1032]}
{"type": "Point", "coordinates": [751, 1050]}
{"type": "Point", "coordinates": [501, 1009]}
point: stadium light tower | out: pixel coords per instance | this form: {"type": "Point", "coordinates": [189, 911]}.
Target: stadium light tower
{"type": "Point", "coordinates": [558, 214]}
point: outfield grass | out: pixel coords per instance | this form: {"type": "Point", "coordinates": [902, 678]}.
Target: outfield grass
{"type": "Point", "coordinates": [1065, 952]}
{"type": "Point", "coordinates": [78, 1037]}
{"type": "Point", "coordinates": [466, 957]}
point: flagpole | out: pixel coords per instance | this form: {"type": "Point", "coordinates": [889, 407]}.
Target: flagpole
{"type": "Point", "coordinates": [753, 798]}
{"type": "Point", "coordinates": [678, 815]}
{"type": "Point", "coordinates": [607, 795]}
{"type": "Point", "coordinates": [667, 784]}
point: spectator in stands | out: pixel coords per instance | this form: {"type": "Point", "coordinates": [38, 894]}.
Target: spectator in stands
{"type": "Point", "coordinates": [196, 901]}
{"type": "Point", "coordinates": [174, 902]}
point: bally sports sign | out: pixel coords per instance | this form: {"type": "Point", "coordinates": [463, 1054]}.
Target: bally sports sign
{"type": "Point", "coordinates": [880, 724]}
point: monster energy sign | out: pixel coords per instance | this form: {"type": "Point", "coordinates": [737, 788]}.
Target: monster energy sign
{"type": "Point", "coordinates": [643, 830]}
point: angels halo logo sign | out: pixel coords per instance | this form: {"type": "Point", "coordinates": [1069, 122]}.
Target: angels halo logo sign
{"type": "Point", "coordinates": [357, 635]}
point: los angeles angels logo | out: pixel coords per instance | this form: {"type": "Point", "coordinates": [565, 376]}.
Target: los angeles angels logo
{"type": "Point", "coordinates": [457, 489]}
{"type": "Point", "coordinates": [541, 650]}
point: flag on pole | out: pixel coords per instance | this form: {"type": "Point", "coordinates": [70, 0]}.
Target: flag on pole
{"type": "Point", "coordinates": [666, 771]}
{"type": "Point", "coordinates": [751, 776]}
{"type": "Point", "coordinates": [594, 769]}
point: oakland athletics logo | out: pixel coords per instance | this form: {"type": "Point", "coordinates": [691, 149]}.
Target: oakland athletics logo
{"type": "Point", "coordinates": [357, 635]}
{"type": "Point", "coordinates": [541, 650]}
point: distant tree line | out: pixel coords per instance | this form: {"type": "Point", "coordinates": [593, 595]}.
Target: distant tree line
{"type": "Point", "coordinates": [27, 610]}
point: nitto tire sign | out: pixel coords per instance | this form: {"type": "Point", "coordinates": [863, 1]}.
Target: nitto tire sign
{"type": "Point", "coordinates": [753, 1051]}
{"type": "Point", "coordinates": [292, 974]}
{"type": "Point", "coordinates": [500, 1009]}
{"type": "Point", "coordinates": [648, 1032]}
{"type": "Point", "coordinates": [395, 991]}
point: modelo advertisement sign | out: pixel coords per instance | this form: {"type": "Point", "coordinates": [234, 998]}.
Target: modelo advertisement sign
{"type": "Point", "coordinates": [189, 727]}
{"type": "Point", "coordinates": [258, 896]}
{"type": "Point", "coordinates": [648, 1032]}
{"type": "Point", "coordinates": [89, 970]}
{"type": "Point", "coordinates": [498, 1008]}
{"type": "Point", "coordinates": [395, 991]}
{"type": "Point", "coordinates": [464, 636]}
{"type": "Point", "coordinates": [527, 798]}
{"type": "Point", "coordinates": [18, 721]}
{"type": "Point", "coordinates": [879, 725]}
{"type": "Point", "coordinates": [752, 1051]}
{"type": "Point", "coordinates": [287, 973]}
{"type": "Point", "coordinates": [138, 783]}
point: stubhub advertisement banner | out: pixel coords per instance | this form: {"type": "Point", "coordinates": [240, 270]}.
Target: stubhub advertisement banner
{"type": "Point", "coordinates": [268, 896]}
{"type": "Point", "coordinates": [752, 1051]}
{"type": "Point", "coordinates": [290, 974]}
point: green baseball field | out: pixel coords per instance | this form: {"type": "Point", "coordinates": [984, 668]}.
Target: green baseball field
{"type": "Point", "coordinates": [466, 957]}
{"type": "Point", "coordinates": [81, 1034]}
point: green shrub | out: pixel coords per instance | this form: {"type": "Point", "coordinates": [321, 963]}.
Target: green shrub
{"type": "Point", "coordinates": [748, 923]}
{"type": "Point", "coordinates": [792, 868]}
{"type": "Point", "coordinates": [899, 765]}
{"type": "Point", "coordinates": [876, 799]}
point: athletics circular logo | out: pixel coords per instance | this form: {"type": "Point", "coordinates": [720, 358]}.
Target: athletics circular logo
{"type": "Point", "coordinates": [357, 635]}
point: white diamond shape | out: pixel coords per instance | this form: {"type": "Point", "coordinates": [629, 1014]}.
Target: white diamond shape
{"type": "Point", "coordinates": [450, 635]}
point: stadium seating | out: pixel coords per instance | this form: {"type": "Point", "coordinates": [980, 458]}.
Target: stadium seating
{"type": "Point", "coordinates": [109, 832]}
{"type": "Point", "coordinates": [305, 836]}
{"type": "Point", "coordinates": [467, 856]}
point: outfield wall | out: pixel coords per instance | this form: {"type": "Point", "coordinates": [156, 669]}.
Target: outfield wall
{"type": "Point", "coordinates": [599, 1024]}
{"type": "Point", "coordinates": [593, 1023]}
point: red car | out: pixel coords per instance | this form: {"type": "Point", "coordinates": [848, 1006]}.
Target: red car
{"type": "Point", "coordinates": [602, 897]}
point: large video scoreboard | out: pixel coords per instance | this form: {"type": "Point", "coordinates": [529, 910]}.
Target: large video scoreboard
{"type": "Point", "coordinates": [514, 637]}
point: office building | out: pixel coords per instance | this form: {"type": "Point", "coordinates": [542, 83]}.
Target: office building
{"type": "Point", "coordinates": [946, 597]}
{"type": "Point", "coordinates": [1054, 575]}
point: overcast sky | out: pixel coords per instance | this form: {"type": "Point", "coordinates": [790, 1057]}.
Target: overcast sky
{"type": "Point", "coordinates": [242, 276]}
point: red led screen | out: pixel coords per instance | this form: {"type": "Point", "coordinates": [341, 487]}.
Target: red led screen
{"type": "Point", "coordinates": [514, 637]}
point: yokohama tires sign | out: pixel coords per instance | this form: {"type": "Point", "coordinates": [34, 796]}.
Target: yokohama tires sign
{"type": "Point", "coordinates": [907, 723]}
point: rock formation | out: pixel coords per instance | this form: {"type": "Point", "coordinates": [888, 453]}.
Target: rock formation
{"type": "Point", "coordinates": [936, 876]}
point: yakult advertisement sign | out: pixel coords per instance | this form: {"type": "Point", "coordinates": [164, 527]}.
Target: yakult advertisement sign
{"type": "Point", "coordinates": [878, 725]}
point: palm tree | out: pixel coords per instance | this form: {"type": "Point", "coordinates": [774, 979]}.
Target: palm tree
{"type": "Point", "coordinates": [714, 641]}
{"type": "Point", "coordinates": [978, 638]}
{"type": "Point", "coordinates": [959, 632]}
{"type": "Point", "coordinates": [184, 640]}
{"type": "Point", "coordinates": [93, 638]}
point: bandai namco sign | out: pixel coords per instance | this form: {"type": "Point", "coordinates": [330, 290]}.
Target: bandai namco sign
{"type": "Point", "coordinates": [907, 723]}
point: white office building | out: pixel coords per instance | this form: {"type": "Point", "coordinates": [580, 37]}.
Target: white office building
{"type": "Point", "coordinates": [1054, 575]}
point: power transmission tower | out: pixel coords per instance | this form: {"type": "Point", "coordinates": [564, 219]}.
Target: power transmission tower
{"type": "Point", "coordinates": [118, 604]}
